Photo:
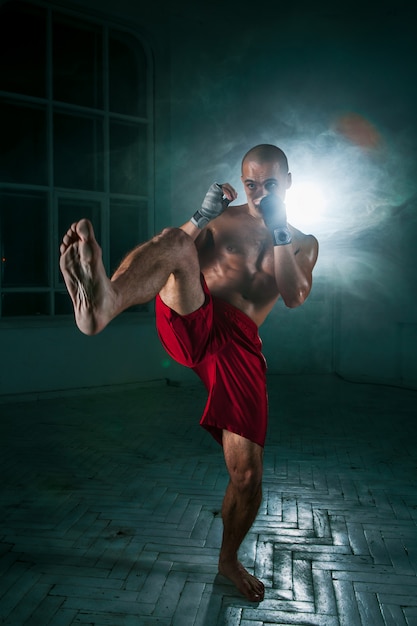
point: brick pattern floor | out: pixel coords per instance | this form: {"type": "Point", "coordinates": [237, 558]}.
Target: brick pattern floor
{"type": "Point", "coordinates": [110, 509]}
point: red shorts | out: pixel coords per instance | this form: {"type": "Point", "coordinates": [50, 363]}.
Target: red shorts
{"type": "Point", "coordinates": [222, 345]}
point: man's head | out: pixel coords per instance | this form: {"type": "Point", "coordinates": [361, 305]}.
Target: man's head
{"type": "Point", "coordinates": [265, 171]}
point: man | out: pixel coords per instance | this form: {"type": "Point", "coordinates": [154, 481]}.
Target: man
{"type": "Point", "coordinates": [215, 280]}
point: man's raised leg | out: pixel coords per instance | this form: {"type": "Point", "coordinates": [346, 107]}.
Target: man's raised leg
{"type": "Point", "coordinates": [97, 299]}
{"type": "Point", "coordinates": [244, 460]}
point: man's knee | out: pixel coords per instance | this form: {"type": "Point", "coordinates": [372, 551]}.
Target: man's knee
{"type": "Point", "coordinates": [246, 478]}
{"type": "Point", "coordinates": [174, 239]}
{"type": "Point", "coordinates": [175, 246]}
{"type": "Point", "coordinates": [244, 462]}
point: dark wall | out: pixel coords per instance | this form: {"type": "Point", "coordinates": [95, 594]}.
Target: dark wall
{"type": "Point", "coordinates": [335, 87]}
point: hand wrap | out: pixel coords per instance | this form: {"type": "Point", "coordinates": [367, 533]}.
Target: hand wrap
{"type": "Point", "coordinates": [213, 205]}
{"type": "Point", "coordinates": [275, 217]}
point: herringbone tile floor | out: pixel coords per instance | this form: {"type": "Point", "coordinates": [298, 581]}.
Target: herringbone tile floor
{"type": "Point", "coordinates": [110, 509]}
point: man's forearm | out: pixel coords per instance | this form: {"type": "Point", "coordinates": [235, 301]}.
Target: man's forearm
{"type": "Point", "coordinates": [191, 230]}
{"type": "Point", "coordinates": [293, 273]}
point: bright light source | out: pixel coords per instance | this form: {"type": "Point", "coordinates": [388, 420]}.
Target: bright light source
{"type": "Point", "coordinates": [305, 203]}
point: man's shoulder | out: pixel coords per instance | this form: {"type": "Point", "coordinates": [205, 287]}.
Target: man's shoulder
{"type": "Point", "coordinates": [236, 210]}
{"type": "Point", "coordinates": [232, 213]}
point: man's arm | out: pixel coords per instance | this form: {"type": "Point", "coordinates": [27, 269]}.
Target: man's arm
{"type": "Point", "coordinates": [191, 230]}
{"type": "Point", "coordinates": [295, 254]}
{"type": "Point", "coordinates": [294, 263]}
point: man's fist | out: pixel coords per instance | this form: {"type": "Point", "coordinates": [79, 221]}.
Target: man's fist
{"type": "Point", "coordinates": [273, 211]}
{"type": "Point", "coordinates": [275, 217]}
{"type": "Point", "coordinates": [214, 203]}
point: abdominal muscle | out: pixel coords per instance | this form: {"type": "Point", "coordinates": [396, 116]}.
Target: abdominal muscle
{"type": "Point", "coordinates": [237, 261]}
{"type": "Point", "coordinates": [254, 294]}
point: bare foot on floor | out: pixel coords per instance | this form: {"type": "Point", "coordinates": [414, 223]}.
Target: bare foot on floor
{"type": "Point", "coordinates": [90, 289]}
{"type": "Point", "coordinates": [252, 588]}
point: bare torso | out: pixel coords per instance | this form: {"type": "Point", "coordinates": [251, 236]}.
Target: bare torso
{"type": "Point", "coordinates": [237, 259]}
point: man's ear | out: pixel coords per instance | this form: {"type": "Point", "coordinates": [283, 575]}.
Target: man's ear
{"type": "Point", "coordinates": [289, 180]}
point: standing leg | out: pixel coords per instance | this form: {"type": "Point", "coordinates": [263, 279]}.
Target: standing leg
{"type": "Point", "coordinates": [143, 273]}
{"type": "Point", "coordinates": [240, 505]}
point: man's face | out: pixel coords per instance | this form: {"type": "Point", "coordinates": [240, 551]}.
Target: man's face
{"type": "Point", "coordinates": [261, 179]}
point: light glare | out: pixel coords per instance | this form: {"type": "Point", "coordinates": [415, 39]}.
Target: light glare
{"type": "Point", "coordinates": [305, 204]}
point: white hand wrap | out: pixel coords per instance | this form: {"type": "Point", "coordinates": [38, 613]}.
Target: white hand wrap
{"type": "Point", "coordinates": [213, 205]}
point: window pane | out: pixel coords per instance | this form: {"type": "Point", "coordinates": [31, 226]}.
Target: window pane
{"type": "Point", "coordinates": [127, 75]}
{"type": "Point", "coordinates": [71, 210]}
{"type": "Point", "coordinates": [128, 164]}
{"type": "Point", "coordinates": [24, 239]}
{"type": "Point", "coordinates": [25, 304]}
{"type": "Point", "coordinates": [23, 144]}
{"type": "Point", "coordinates": [63, 304]}
{"type": "Point", "coordinates": [128, 228]}
{"type": "Point", "coordinates": [23, 49]}
{"type": "Point", "coordinates": [77, 62]}
{"type": "Point", "coordinates": [78, 152]}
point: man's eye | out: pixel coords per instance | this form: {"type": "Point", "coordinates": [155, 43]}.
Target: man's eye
{"type": "Point", "coordinates": [271, 186]}
{"type": "Point", "coordinates": [250, 185]}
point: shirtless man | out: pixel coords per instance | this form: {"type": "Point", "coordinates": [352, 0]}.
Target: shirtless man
{"type": "Point", "coordinates": [215, 280]}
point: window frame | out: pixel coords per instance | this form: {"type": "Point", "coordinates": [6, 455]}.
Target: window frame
{"type": "Point", "coordinates": [104, 196]}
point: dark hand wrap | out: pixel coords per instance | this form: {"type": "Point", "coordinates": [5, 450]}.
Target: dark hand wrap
{"type": "Point", "coordinates": [275, 217]}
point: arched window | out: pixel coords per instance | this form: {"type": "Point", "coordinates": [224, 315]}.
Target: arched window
{"type": "Point", "coordinates": [75, 141]}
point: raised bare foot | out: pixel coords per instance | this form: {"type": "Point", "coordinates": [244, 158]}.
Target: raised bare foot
{"type": "Point", "coordinates": [90, 289]}
{"type": "Point", "coordinates": [252, 588]}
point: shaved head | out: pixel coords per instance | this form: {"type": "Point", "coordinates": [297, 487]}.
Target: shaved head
{"type": "Point", "coordinates": [267, 153]}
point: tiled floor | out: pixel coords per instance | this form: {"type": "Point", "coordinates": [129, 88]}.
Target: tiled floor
{"type": "Point", "coordinates": [110, 509]}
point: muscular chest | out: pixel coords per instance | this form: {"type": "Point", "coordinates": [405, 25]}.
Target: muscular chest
{"type": "Point", "coordinates": [248, 247]}
{"type": "Point", "coordinates": [250, 253]}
